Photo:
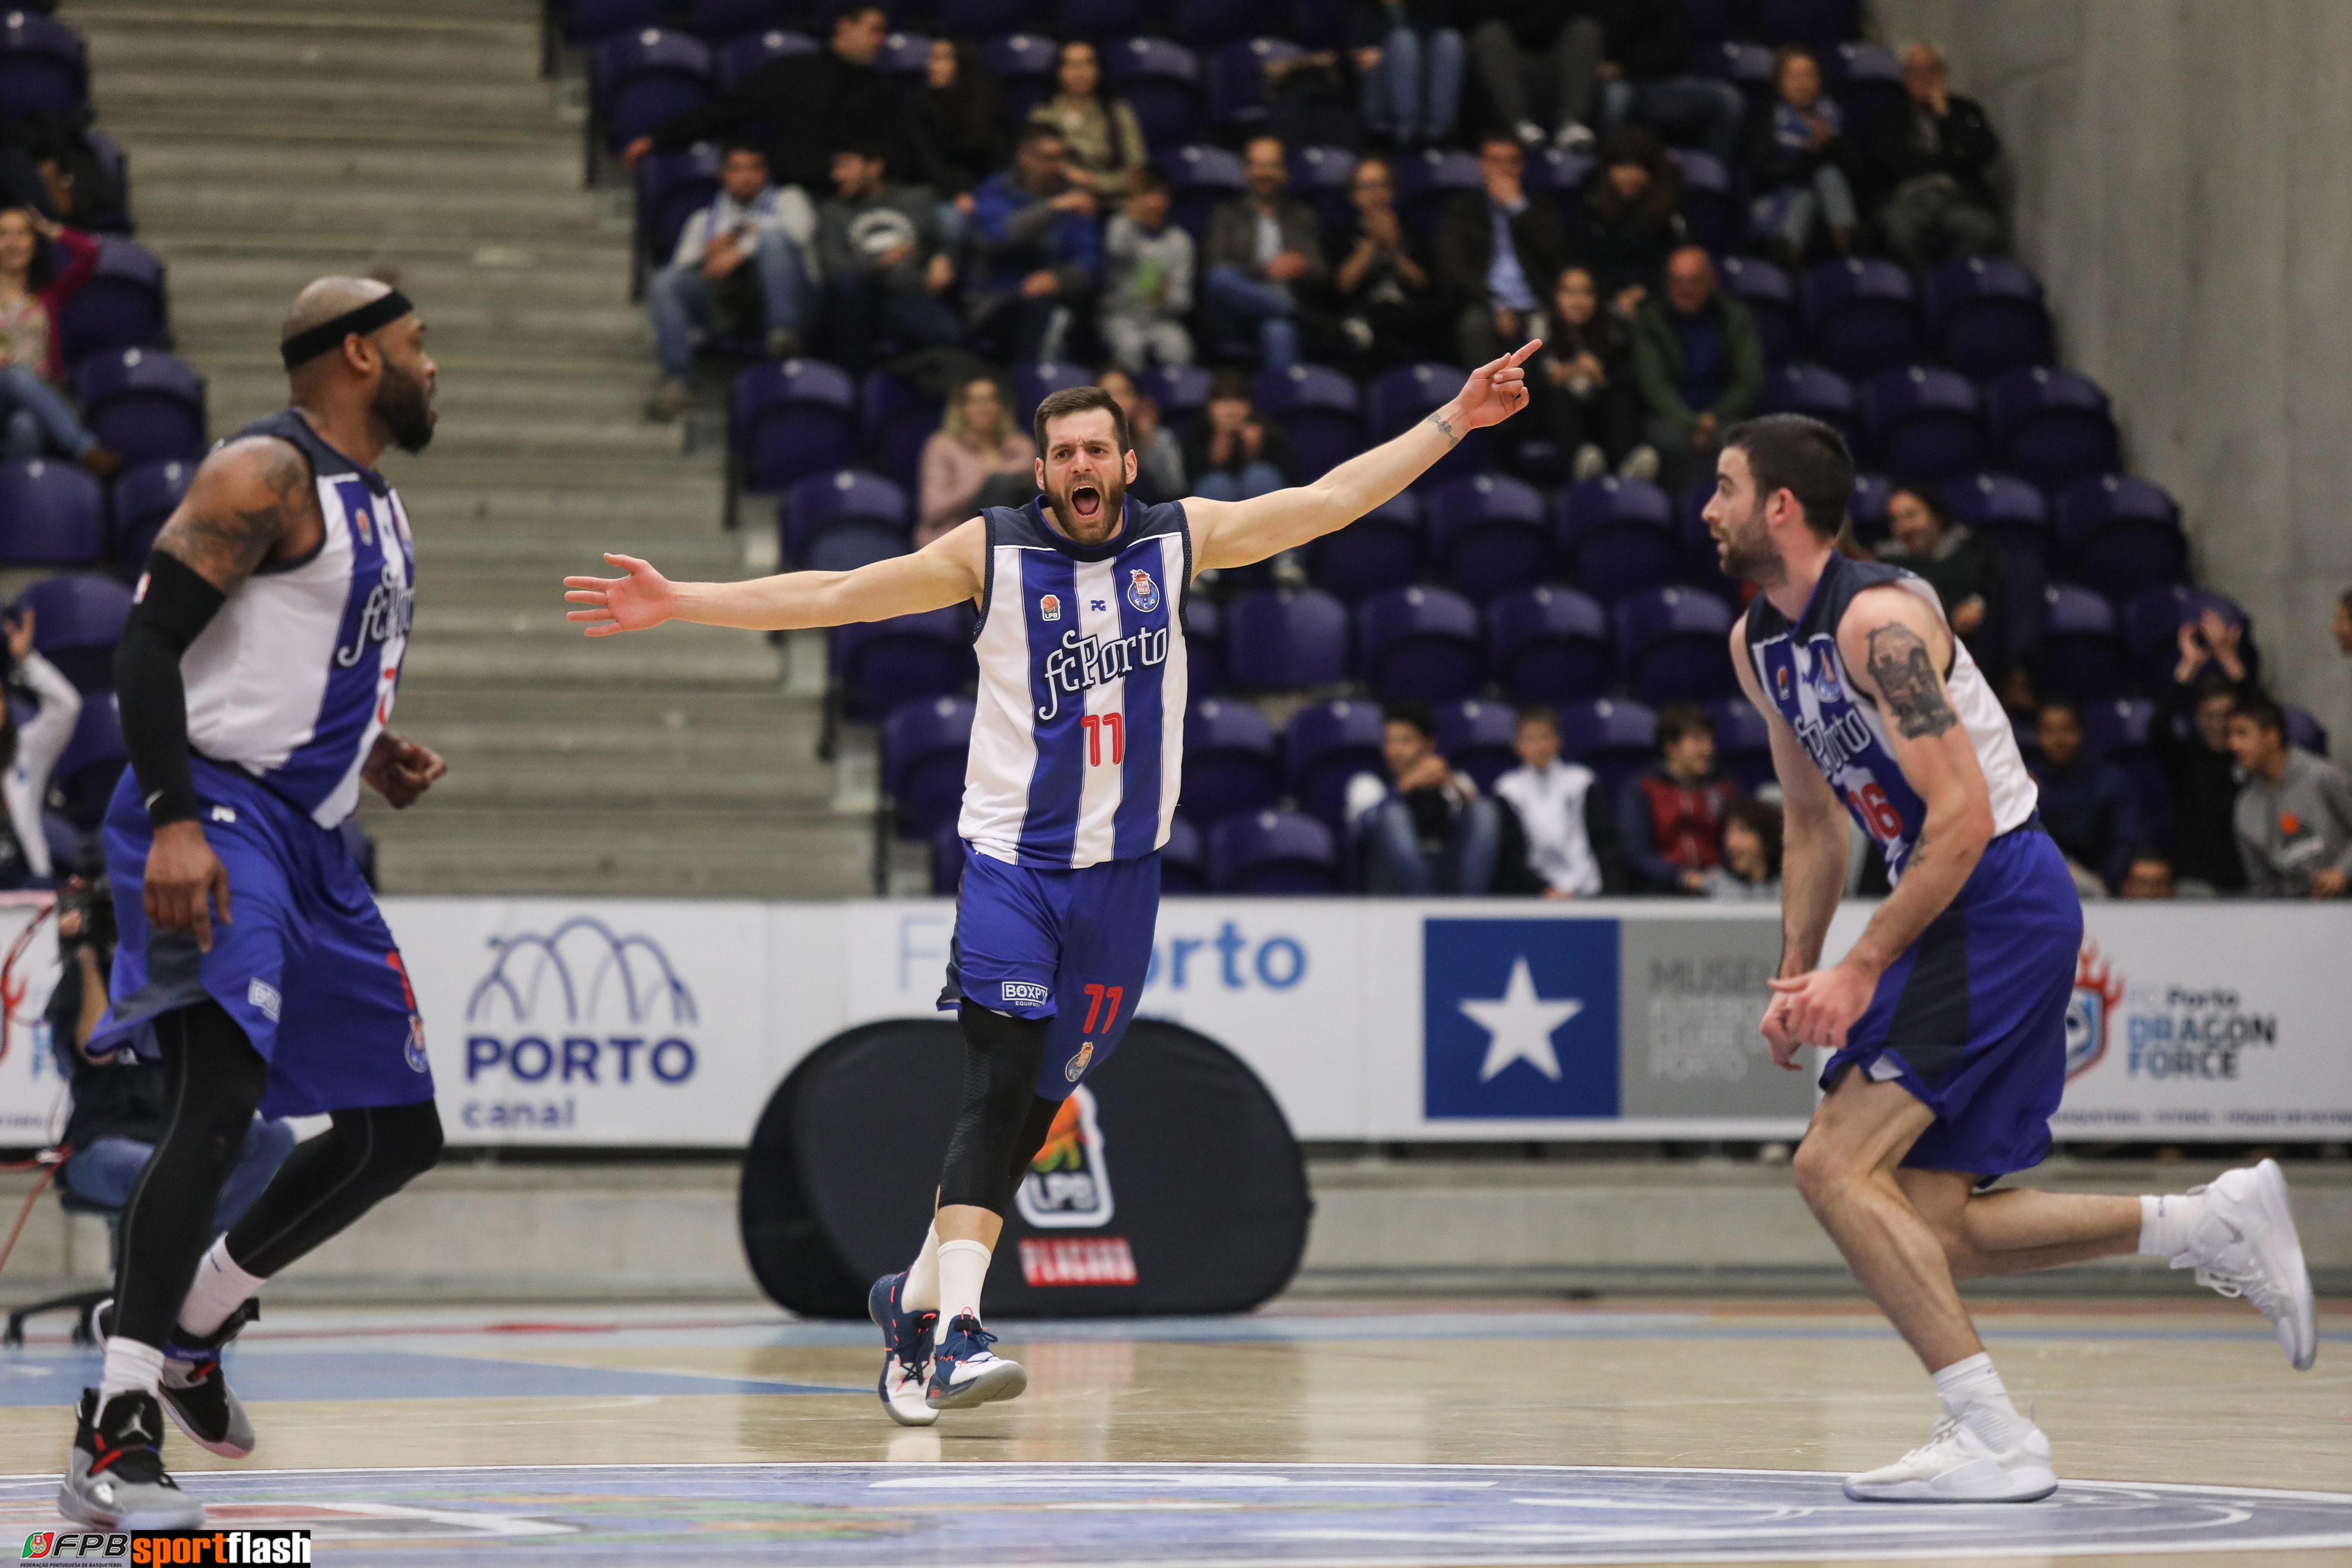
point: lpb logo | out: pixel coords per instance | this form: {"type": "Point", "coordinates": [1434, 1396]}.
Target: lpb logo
{"type": "Point", "coordinates": [581, 1004]}
{"type": "Point", "coordinates": [1067, 1186]}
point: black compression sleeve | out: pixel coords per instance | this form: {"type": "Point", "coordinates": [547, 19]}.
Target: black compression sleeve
{"type": "Point", "coordinates": [173, 606]}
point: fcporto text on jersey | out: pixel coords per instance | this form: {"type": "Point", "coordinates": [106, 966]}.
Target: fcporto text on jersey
{"type": "Point", "coordinates": [390, 611]}
{"type": "Point", "coordinates": [1082, 663]}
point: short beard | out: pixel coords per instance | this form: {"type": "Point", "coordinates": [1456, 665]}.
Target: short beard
{"type": "Point", "coordinates": [1114, 501]}
{"type": "Point", "coordinates": [1748, 556]}
{"type": "Point", "coordinates": [403, 407]}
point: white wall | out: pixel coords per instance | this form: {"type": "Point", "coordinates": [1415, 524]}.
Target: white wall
{"type": "Point", "coordinates": [2179, 170]}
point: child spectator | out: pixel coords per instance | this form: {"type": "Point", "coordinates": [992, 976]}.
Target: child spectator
{"type": "Point", "coordinates": [1148, 279]}
{"type": "Point", "coordinates": [2088, 807]}
{"type": "Point", "coordinates": [1672, 814]}
{"type": "Point", "coordinates": [42, 266]}
{"type": "Point", "coordinates": [1233, 455]}
{"type": "Point", "coordinates": [1572, 838]}
{"type": "Point", "coordinates": [2294, 810]}
{"type": "Point", "coordinates": [976, 441]}
{"type": "Point", "coordinates": [1751, 852]}
{"type": "Point", "coordinates": [1796, 161]}
{"type": "Point", "coordinates": [1105, 139]}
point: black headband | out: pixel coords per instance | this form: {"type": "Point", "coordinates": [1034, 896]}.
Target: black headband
{"type": "Point", "coordinates": [309, 344]}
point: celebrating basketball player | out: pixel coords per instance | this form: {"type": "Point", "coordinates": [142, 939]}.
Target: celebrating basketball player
{"type": "Point", "coordinates": [256, 675]}
{"type": "Point", "coordinates": [1947, 1022]}
{"type": "Point", "coordinates": [1077, 753]}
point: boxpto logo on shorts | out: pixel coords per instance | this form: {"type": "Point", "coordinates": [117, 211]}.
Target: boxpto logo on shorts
{"type": "Point", "coordinates": [1068, 1183]}
{"type": "Point", "coordinates": [1025, 994]}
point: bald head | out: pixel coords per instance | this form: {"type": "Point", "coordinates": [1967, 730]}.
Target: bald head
{"type": "Point", "coordinates": [323, 300]}
{"type": "Point", "coordinates": [370, 375]}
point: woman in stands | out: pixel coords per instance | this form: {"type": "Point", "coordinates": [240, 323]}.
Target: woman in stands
{"type": "Point", "coordinates": [1626, 225]}
{"type": "Point", "coordinates": [1797, 159]}
{"type": "Point", "coordinates": [1105, 139]}
{"type": "Point", "coordinates": [42, 266]}
{"type": "Point", "coordinates": [977, 441]}
{"type": "Point", "coordinates": [1584, 385]}
{"type": "Point", "coordinates": [963, 117]}
{"type": "Point", "coordinates": [28, 753]}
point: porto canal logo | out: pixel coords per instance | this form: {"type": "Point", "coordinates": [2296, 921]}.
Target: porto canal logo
{"type": "Point", "coordinates": [581, 1006]}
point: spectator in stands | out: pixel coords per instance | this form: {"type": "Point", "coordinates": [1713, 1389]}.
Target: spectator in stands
{"type": "Point", "coordinates": [1964, 570]}
{"type": "Point", "coordinates": [1751, 852]}
{"type": "Point", "coordinates": [1427, 829]}
{"type": "Point", "coordinates": [810, 105]}
{"type": "Point", "coordinates": [1105, 139]}
{"type": "Point", "coordinates": [28, 755]}
{"type": "Point", "coordinates": [1262, 250]}
{"type": "Point", "coordinates": [2149, 876]}
{"type": "Point", "coordinates": [1582, 383]}
{"type": "Point", "coordinates": [2198, 766]}
{"type": "Point", "coordinates": [2087, 806]}
{"type": "Point", "coordinates": [1797, 159]}
{"type": "Point", "coordinates": [886, 269]}
{"type": "Point", "coordinates": [1407, 58]}
{"type": "Point", "coordinates": [1393, 310]}
{"type": "Point", "coordinates": [42, 266]}
{"type": "Point", "coordinates": [1536, 61]}
{"type": "Point", "coordinates": [1495, 249]}
{"type": "Point", "coordinates": [1699, 362]}
{"type": "Point", "coordinates": [1570, 833]}
{"type": "Point", "coordinates": [737, 272]}
{"type": "Point", "coordinates": [1645, 77]}
{"type": "Point", "coordinates": [1159, 456]}
{"type": "Point", "coordinates": [2294, 810]}
{"type": "Point", "coordinates": [1935, 157]}
{"type": "Point", "coordinates": [1671, 814]}
{"type": "Point", "coordinates": [977, 439]}
{"type": "Point", "coordinates": [1624, 226]}
{"type": "Point", "coordinates": [961, 116]}
{"type": "Point", "coordinates": [1232, 453]}
{"type": "Point", "coordinates": [1147, 278]}
{"type": "Point", "coordinates": [1035, 248]}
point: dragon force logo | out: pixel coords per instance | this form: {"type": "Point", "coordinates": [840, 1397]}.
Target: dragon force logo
{"type": "Point", "coordinates": [2098, 992]}
{"type": "Point", "coordinates": [1082, 663]}
{"type": "Point", "coordinates": [580, 1006]}
{"type": "Point", "coordinates": [390, 610]}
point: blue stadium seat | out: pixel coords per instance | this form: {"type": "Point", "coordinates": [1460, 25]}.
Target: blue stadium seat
{"type": "Point", "coordinates": [1862, 316]}
{"type": "Point", "coordinates": [1033, 383]}
{"type": "Point", "coordinates": [1014, 57]}
{"type": "Point", "coordinates": [144, 404]}
{"type": "Point", "coordinates": [1614, 537]}
{"type": "Point", "coordinates": [1379, 551]}
{"type": "Point", "coordinates": [905, 54]}
{"type": "Point", "coordinates": [1868, 507]}
{"type": "Point", "coordinates": [1820, 23]}
{"type": "Point", "coordinates": [2081, 653]}
{"type": "Point", "coordinates": [1325, 745]}
{"type": "Point", "coordinates": [1770, 297]}
{"type": "Point", "coordinates": [1475, 736]}
{"type": "Point", "coordinates": [1741, 61]}
{"type": "Point", "coordinates": [1614, 737]}
{"type": "Point", "coordinates": [2151, 628]}
{"type": "Point", "coordinates": [44, 67]}
{"type": "Point", "coordinates": [1420, 642]}
{"type": "Point", "coordinates": [2004, 509]}
{"type": "Point", "coordinates": [1229, 761]}
{"type": "Point", "coordinates": [1205, 645]}
{"type": "Point", "coordinates": [2121, 535]}
{"type": "Point", "coordinates": [1199, 178]}
{"type": "Point", "coordinates": [716, 21]}
{"type": "Point", "coordinates": [1278, 637]}
{"type": "Point", "coordinates": [2051, 427]}
{"type": "Point", "coordinates": [2117, 731]}
{"type": "Point", "coordinates": [840, 520]}
{"type": "Point", "coordinates": [1710, 202]}
{"type": "Point", "coordinates": [637, 80]}
{"type": "Point", "coordinates": [91, 764]}
{"type": "Point", "coordinates": [1426, 179]}
{"type": "Point", "coordinates": [978, 18]}
{"type": "Point", "coordinates": [1816, 390]}
{"type": "Point", "coordinates": [1273, 852]}
{"type": "Point", "coordinates": [1987, 317]}
{"type": "Point", "coordinates": [791, 418]}
{"type": "Point", "coordinates": [1183, 859]}
{"type": "Point", "coordinates": [1923, 422]}
{"type": "Point", "coordinates": [894, 421]}
{"type": "Point", "coordinates": [76, 620]}
{"type": "Point", "coordinates": [1161, 82]}
{"type": "Point", "coordinates": [880, 665]}
{"type": "Point", "coordinates": [1559, 172]}
{"type": "Point", "coordinates": [1486, 533]}
{"type": "Point", "coordinates": [739, 58]}
{"type": "Point", "coordinates": [51, 514]}
{"type": "Point", "coordinates": [1180, 390]}
{"type": "Point", "coordinates": [1743, 742]}
{"type": "Point", "coordinates": [1673, 646]}
{"type": "Point", "coordinates": [143, 499]}
{"type": "Point", "coordinates": [121, 306]}
{"type": "Point", "coordinates": [1097, 21]}
{"type": "Point", "coordinates": [1236, 81]}
{"type": "Point", "coordinates": [1550, 644]}
{"type": "Point", "coordinates": [671, 188]}
{"type": "Point", "coordinates": [1866, 79]}
{"type": "Point", "coordinates": [2304, 732]}
{"type": "Point", "coordinates": [924, 744]}
{"type": "Point", "coordinates": [1319, 409]}
{"type": "Point", "coordinates": [1398, 399]}
{"type": "Point", "coordinates": [1208, 23]}
{"type": "Point", "coordinates": [1318, 176]}
{"type": "Point", "coordinates": [590, 22]}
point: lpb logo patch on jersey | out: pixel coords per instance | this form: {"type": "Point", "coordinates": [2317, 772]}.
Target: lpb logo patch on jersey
{"type": "Point", "coordinates": [2099, 990]}
{"type": "Point", "coordinates": [1049, 608]}
{"type": "Point", "coordinates": [1142, 590]}
{"type": "Point", "coordinates": [1068, 1183]}
{"type": "Point", "coordinates": [1780, 681]}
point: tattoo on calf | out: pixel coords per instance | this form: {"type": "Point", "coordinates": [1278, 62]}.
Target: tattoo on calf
{"type": "Point", "coordinates": [1445, 430]}
{"type": "Point", "coordinates": [1906, 676]}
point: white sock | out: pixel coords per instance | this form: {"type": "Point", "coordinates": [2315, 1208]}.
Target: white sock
{"type": "Point", "coordinates": [2166, 1220]}
{"type": "Point", "coordinates": [1971, 1390]}
{"type": "Point", "coordinates": [220, 1289]}
{"type": "Point", "coordinates": [921, 1292]}
{"type": "Point", "coordinates": [964, 1267]}
{"type": "Point", "coordinates": [130, 1368]}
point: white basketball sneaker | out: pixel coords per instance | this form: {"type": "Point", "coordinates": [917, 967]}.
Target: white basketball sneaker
{"type": "Point", "coordinates": [965, 1372]}
{"type": "Point", "coordinates": [1957, 1466]}
{"type": "Point", "coordinates": [2245, 1245]}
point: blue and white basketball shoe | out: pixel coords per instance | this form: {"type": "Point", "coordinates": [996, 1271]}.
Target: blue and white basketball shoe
{"type": "Point", "coordinates": [965, 1372]}
{"type": "Point", "coordinates": [907, 1351]}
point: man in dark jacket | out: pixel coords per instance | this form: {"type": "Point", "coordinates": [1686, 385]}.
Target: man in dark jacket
{"type": "Point", "coordinates": [1699, 364]}
{"type": "Point", "coordinates": [2088, 805]}
{"type": "Point", "coordinates": [1261, 251]}
{"type": "Point", "coordinates": [1934, 156]}
{"type": "Point", "coordinates": [1498, 250]}
{"type": "Point", "coordinates": [886, 269]}
{"type": "Point", "coordinates": [1645, 75]}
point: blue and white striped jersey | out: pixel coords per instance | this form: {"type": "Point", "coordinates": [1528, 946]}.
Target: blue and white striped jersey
{"type": "Point", "coordinates": [294, 679]}
{"type": "Point", "coordinates": [1805, 678]}
{"type": "Point", "coordinates": [1078, 747]}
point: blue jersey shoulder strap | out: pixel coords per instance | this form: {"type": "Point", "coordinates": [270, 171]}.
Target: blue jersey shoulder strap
{"type": "Point", "coordinates": [288, 425]}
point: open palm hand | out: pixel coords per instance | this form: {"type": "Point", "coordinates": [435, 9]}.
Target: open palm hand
{"type": "Point", "coordinates": [630, 604]}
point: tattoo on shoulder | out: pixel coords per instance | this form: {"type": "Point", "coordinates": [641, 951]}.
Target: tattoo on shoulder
{"type": "Point", "coordinates": [227, 543]}
{"type": "Point", "coordinates": [1906, 676]}
{"type": "Point", "coordinates": [1445, 430]}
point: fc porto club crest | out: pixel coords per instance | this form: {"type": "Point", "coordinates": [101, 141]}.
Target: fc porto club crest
{"type": "Point", "coordinates": [2099, 990]}
{"type": "Point", "coordinates": [1049, 608]}
{"type": "Point", "coordinates": [1825, 680]}
{"type": "Point", "coordinates": [1142, 590]}
{"type": "Point", "coordinates": [1077, 1067]}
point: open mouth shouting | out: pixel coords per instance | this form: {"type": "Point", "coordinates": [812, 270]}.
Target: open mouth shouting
{"type": "Point", "coordinates": [1086, 501]}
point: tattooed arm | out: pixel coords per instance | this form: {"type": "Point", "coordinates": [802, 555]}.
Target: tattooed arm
{"type": "Point", "coordinates": [250, 500]}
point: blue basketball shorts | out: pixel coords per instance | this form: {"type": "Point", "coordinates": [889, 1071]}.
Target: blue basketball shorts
{"type": "Point", "coordinates": [305, 964]}
{"type": "Point", "coordinates": [1072, 947]}
{"type": "Point", "coordinates": [1972, 1018]}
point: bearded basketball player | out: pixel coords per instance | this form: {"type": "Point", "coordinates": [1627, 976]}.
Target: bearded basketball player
{"type": "Point", "coordinates": [1076, 754]}
{"type": "Point", "coordinates": [1947, 1022]}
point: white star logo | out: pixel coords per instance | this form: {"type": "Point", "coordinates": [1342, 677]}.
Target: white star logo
{"type": "Point", "coordinates": [1520, 1026]}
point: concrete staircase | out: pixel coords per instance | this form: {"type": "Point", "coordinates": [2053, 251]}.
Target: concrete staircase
{"type": "Point", "coordinates": [271, 140]}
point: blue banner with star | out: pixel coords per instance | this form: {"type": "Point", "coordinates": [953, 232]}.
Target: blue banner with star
{"type": "Point", "coordinates": [1519, 1018]}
